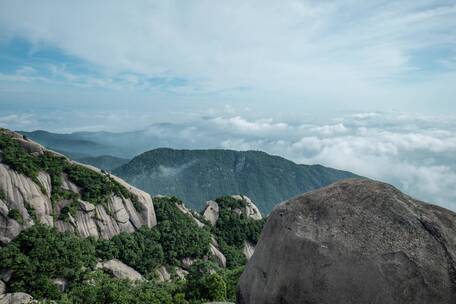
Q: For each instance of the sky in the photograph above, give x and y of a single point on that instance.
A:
(367, 86)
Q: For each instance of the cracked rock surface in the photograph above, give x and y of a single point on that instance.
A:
(355, 241)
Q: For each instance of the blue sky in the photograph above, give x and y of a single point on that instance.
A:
(281, 58)
(366, 86)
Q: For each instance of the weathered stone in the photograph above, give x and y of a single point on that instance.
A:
(60, 283)
(248, 250)
(121, 271)
(356, 241)
(211, 212)
(16, 298)
(251, 210)
(221, 260)
(189, 213)
(181, 273)
(187, 263)
(2, 288)
(86, 206)
(23, 193)
(162, 274)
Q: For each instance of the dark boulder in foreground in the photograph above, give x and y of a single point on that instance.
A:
(355, 241)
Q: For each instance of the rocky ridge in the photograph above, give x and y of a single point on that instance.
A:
(26, 200)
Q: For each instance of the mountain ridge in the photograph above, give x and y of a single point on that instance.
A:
(198, 175)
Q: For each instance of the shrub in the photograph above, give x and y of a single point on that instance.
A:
(41, 253)
(180, 236)
(15, 215)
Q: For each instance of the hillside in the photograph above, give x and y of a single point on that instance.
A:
(76, 234)
(104, 162)
(200, 175)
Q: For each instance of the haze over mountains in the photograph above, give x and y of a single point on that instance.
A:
(197, 176)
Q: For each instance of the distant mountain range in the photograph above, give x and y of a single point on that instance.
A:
(127, 144)
(197, 176)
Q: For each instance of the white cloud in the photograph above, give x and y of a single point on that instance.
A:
(319, 52)
(240, 124)
(330, 129)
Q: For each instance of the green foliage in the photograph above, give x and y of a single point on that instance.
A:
(69, 209)
(203, 283)
(98, 287)
(15, 215)
(15, 156)
(231, 278)
(233, 230)
(180, 235)
(95, 187)
(140, 250)
(206, 174)
(31, 211)
(2, 195)
(41, 253)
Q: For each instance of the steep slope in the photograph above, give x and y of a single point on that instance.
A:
(42, 186)
(200, 175)
(104, 162)
(356, 241)
(177, 261)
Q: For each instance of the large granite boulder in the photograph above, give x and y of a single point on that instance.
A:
(356, 241)
(120, 270)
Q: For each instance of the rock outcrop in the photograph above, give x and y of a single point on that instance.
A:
(356, 241)
(120, 270)
(30, 199)
(211, 212)
(162, 274)
(15, 298)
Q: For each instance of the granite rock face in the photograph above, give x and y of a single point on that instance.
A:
(32, 200)
(120, 270)
(355, 241)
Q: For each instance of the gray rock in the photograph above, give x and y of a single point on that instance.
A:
(189, 213)
(251, 209)
(23, 194)
(356, 241)
(2, 288)
(60, 283)
(86, 206)
(211, 212)
(16, 298)
(187, 262)
(220, 258)
(120, 270)
(248, 250)
(181, 273)
(162, 274)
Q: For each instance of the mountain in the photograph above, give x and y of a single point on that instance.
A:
(104, 162)
(356, 241)
(72, 144)
(200, 175)
(71, 233)
(125, 144)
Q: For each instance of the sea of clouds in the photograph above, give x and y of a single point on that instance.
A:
(414, 152)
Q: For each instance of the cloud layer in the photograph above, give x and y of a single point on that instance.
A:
(344, 54)
(411, 151)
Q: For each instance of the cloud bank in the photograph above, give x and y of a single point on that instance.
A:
(293, 54)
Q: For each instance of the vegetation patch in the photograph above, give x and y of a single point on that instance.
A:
(16, 215)
(180, 236)
(233, 230)
(96, 187)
